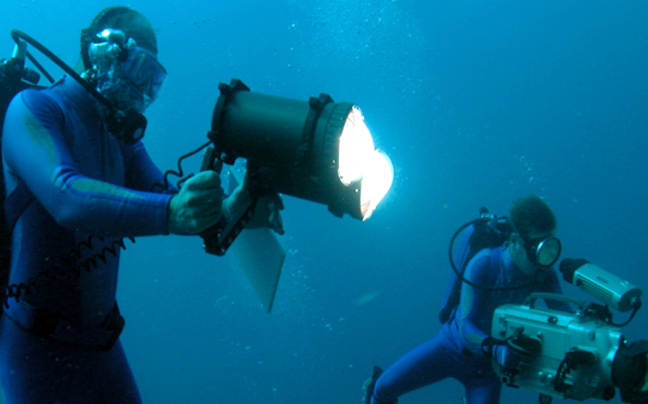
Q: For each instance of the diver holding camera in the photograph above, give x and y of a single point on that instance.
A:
(496, 262)
(492, 335)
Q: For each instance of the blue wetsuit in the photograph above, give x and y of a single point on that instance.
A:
(456, 351)
(85, 182)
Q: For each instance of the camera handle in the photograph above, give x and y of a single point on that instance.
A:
(530, 301)
(585, 309)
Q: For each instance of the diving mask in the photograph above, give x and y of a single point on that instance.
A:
(120, 59)
(144, 71)
(543, 251)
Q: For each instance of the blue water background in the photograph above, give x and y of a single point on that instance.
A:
(476, 102)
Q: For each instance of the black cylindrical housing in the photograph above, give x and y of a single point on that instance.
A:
(292, 146)
(263, 127)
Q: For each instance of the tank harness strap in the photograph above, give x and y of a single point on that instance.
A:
(49, 325)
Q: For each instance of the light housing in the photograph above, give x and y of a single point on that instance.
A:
(317, 150)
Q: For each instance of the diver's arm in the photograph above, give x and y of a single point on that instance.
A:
(142, 173)
(474, 302)
(35, 152)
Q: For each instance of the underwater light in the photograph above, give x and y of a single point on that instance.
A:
(317, 150)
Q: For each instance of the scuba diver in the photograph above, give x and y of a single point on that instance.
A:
(78, 180)
(494, 276)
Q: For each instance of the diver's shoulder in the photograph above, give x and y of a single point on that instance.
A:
(479, 266)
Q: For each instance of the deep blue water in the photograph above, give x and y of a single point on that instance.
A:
(477, 103)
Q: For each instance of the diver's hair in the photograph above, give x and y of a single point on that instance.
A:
(532, 214)
(131, 22)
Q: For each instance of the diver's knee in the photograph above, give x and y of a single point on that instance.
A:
(377, 401)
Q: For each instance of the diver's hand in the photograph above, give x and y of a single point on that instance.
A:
(197, 206)
(267, 211)
(507, 357)
(268, 214)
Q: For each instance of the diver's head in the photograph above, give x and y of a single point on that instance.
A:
(121, 47)
(533, 244)
(133, 24)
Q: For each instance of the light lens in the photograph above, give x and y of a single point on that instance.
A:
(376, 182)
(360, 161)
(356, 148)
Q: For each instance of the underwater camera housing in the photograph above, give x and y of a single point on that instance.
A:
(577, 355)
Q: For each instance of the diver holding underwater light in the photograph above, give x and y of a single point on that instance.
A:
(88, 183)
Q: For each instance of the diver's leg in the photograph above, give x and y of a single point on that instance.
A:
(113, 379)
(35, 370)
(426, 364)
(482, 386)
